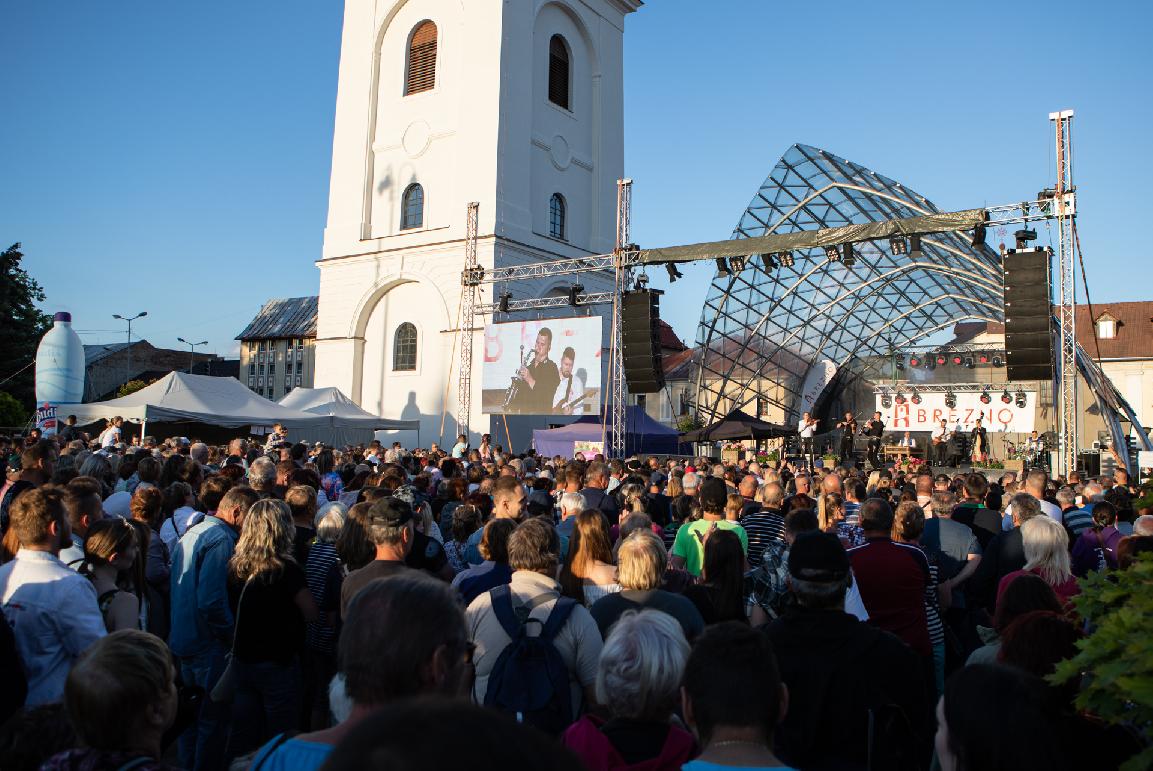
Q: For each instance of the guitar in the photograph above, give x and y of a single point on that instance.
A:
(566, 408)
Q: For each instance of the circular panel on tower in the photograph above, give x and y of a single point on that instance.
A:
(560, 153)
(417, 138)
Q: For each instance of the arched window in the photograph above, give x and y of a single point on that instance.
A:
(412, 207)
(420, 70)
(559, 87)
(404, 348)
(556, 216)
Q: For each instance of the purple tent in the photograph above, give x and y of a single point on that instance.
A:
(643, 435)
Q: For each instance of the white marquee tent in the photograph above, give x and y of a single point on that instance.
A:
(349, 424)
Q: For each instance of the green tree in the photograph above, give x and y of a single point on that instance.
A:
(131, 387)
(12, 414)
(24, 325)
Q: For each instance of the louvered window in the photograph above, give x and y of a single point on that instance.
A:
(421, 72)
(558, 72)
(556, 216)
(404, 348)
(412, 207)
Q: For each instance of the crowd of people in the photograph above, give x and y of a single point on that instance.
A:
(278, 605)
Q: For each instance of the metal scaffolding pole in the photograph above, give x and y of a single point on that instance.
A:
(470, 289)
(1065, 207)
(621, 278)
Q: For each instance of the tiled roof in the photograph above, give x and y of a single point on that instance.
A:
(286, 317)
(1134, 330)
(677, 365)
(669, 339)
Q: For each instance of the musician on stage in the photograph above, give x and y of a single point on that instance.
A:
(806, 428)
(941, 441)
(540, 378)
(979, 443)
(569, 397)
(875, 429)
(848, 428)
(1035, 450)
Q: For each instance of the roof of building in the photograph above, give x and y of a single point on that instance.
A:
(94, 353)
(285, 317)
(678, 365)
(669, 339)
(1133, 334)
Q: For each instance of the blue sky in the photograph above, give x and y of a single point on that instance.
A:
(174, 158)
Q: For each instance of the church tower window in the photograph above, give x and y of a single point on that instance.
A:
(559, 86)
(556, 216)
(420, 73)
(412, 207)
(404, 348)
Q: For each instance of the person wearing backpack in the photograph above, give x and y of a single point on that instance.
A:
(536, 651)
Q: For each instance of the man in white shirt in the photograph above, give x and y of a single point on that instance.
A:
(111, 434)
(806, 428)
(569, 397)
(52, 610)
(1035, 486)
(907, 441)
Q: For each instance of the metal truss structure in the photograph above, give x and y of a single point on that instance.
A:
(469, 293)
(765, 326)
(1066, 308)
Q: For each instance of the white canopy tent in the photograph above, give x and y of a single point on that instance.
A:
(182, 398)
(348, 423)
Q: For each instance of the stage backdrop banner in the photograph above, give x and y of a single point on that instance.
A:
(565, 381)
(995, 416)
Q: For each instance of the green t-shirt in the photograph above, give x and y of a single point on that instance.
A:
(690, 541)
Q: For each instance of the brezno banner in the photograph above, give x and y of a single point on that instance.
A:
(996, 416)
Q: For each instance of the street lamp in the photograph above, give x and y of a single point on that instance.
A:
(128, 369)
(191, 351)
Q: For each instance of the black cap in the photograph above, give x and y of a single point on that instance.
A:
(817, 556)
(391, 512)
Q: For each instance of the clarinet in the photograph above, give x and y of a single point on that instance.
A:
(514, 389)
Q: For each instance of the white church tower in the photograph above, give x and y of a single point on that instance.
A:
(517, 104)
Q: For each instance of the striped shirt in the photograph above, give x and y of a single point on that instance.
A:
(322, 574)
(762, 527)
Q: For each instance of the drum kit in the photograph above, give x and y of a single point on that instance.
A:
(1034, 452)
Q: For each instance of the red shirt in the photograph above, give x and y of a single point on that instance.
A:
(1066, 591)
(892, 578)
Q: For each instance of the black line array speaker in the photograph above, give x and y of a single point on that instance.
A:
(641, 340)
(1028, 315)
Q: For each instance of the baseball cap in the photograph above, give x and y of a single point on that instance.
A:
(818, 556)
(391, 511)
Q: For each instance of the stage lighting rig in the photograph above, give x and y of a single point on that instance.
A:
(941, 359)
(978, 236)
(737, 264)
(969, 362)
(850, 256)
(722, 267)
(886, 400)
(951, 400)
(899, 362)
(915, 360)
(900, 398)
(998, 360)
(1022, 400)
(770, 262)
(786, 259)
(985, 397)
(832, 253)
(1024, 236)
(505, 298)
(957, 359)
(915, 247)
(573, 292)
(898, 245)
(674, 271)
(915, 398)
(1006, 397)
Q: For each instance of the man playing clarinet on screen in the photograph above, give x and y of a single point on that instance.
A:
(541, 376)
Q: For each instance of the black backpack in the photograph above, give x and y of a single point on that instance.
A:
(530, 680)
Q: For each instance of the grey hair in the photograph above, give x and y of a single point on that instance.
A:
(1092, 492)
(943, 502)
(329, 521)
(1025, 507)
(1066, 496)
(821, 595)
(198, 452)
(262, 473)
(1143, 525)
(641, 666)
(1046, 546)
(574, 502)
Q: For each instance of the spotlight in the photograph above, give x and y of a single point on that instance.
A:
(900, 363)
(898, 245)
(786, 259)
(832, 254)
(900, 398)
(978, 236)
(998, 361)
(951, 400)
(737, 264)
(930, 362)
(505, 297)
(770, 261)
(957, 360)
(915, 361)
(941, 359)
(850, 256)
(722, 267)
(969, 362)
(915, 247)
(573, 291)
(1006, 397)
(1022, 400)
(642, 282)
(915, 398)
(1024, 236)
(886, 400)
(674, 272)
(985, 397)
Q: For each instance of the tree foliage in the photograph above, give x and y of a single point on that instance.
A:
(1116, 660)
(24, 325)
(12, 413)
(132, 386)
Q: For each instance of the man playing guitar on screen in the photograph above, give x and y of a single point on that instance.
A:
(570, 395)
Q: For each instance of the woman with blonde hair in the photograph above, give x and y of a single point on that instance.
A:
(1046, 546)
(831, 516)
(111, 552)
(270, 604)
(588, 573)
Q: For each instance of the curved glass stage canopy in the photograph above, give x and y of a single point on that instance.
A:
(767, 329)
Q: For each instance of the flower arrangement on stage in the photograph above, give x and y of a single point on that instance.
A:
(910, 464)
(768, 457)
(989, 464)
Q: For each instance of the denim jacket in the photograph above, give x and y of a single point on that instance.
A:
(201, 618)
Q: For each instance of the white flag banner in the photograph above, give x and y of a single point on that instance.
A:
(996, 416)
